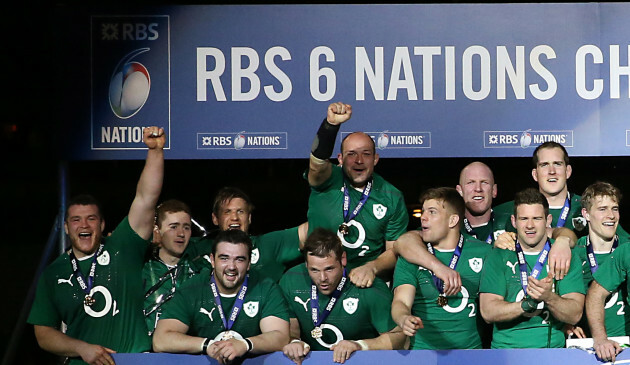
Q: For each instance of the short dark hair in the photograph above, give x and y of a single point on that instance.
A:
(530, 196)
(323, 243)
(550, 144)
(83, 199)
(170, 206)
(448, 196)
(599, 188)
(346, 137)
(225, 195)
(233, 236)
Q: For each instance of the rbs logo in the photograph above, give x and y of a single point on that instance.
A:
(139, 32)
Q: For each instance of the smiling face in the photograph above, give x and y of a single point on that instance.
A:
(358, 158)
(531, 225)
(551, 172)
(602, 217)
(230, 263)
(233, 214)
(477, 187)
(175, 231)
(84, 226)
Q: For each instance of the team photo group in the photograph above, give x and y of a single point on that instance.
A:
(549, 265)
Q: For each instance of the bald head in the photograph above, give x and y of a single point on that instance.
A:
(476, 168)
(477, 187)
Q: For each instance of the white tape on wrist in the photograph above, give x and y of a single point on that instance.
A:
(363, 345)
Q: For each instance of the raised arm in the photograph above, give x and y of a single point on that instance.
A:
(320, 167)
(57, 342)
(142, 211)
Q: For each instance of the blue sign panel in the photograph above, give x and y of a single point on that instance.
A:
(430, 80)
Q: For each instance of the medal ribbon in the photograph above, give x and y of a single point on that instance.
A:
(439, 284)
(562, 220)
(365, 194)
(471, 231)
(522, 264)
(317, 319)
(236, 308)
(86, 287)
(592, 260)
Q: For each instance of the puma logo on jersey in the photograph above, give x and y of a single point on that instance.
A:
(512, 266)
(297, 299)
(209, 314)
(67, 281)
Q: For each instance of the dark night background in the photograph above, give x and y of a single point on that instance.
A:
(44, 83)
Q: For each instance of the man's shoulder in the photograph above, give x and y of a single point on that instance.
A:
(296, 278)
(504, 208)
(385, 186)
(576, 198)
(473, 244)
(58, 267)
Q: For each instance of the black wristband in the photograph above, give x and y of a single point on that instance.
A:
(324, 141)
(204, 348)
(529, 305)
(250, 345)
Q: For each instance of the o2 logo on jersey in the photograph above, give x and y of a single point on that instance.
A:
(129, 86)
(98, 310)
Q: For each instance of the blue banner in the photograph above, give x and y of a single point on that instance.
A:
(474, 80)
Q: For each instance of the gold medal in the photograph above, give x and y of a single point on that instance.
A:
(316, 333)
(89, 301)
(442, 301)
(344, 229)
(227, 335)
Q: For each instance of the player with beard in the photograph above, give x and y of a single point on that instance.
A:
(95, 287)
(368, 213)
(225, 313)
(517, 294)
(328, 312)
(273, 253)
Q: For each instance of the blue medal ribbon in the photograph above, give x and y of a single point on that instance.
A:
(86, 287)
(562, 220)
(365, 194)
(592, 260)
(471, 231)
(236, 308)
(315, 316)
(439, 284)
(522, 264)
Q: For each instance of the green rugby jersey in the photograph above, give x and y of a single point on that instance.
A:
(194, 305)
(359, 313)
(454, 326)
(501, 276)
(612, 275)
(383, 217)
(617, 318)
(115, 320)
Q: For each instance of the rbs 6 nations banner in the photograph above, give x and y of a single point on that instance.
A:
(475, 80)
